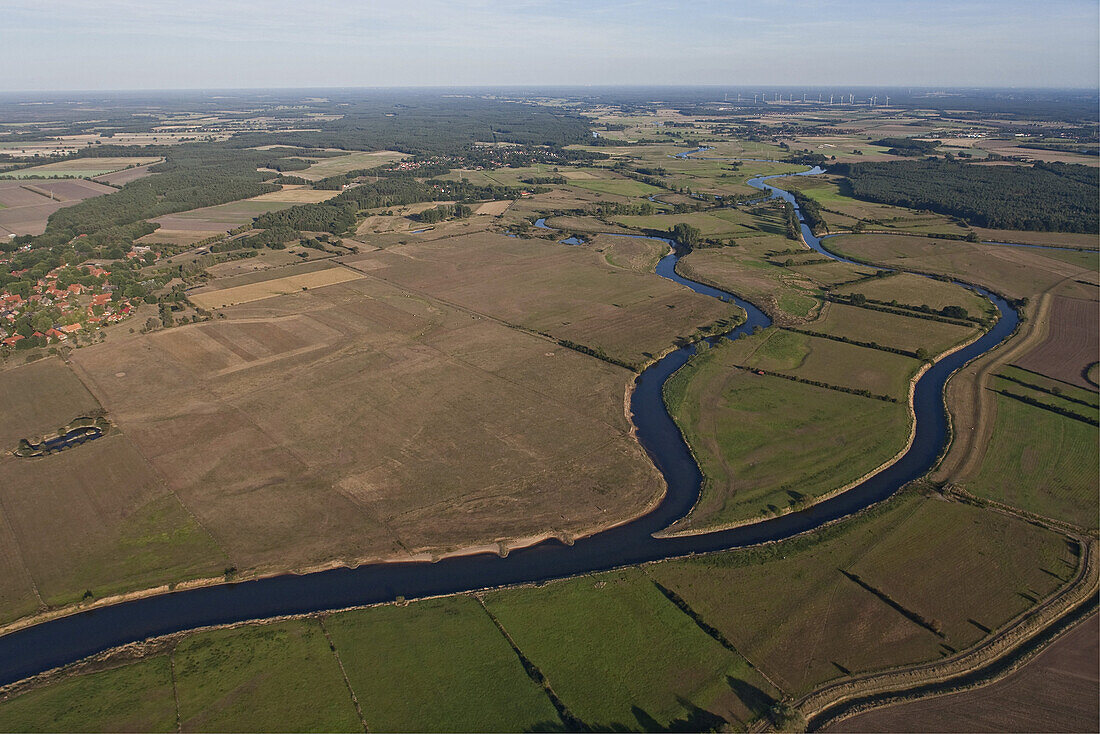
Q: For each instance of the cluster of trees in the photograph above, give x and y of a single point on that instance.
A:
(275, 237)
(444, 211)
(908, 147)
(337, 215)
(811, 210)
(685, 235)
(545, 180)
(432, 125)
(1056, 197)
(948, 314)
(790, 219)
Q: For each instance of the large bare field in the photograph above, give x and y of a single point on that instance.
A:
(92, 518)
(222, 297)
(26, 205)
(568, 292)
(351, 162)
(222, 217)
(1072, 342)
(1014, 271)
(1054, 692)
(361, 420)
(125, 176)
(80, 167)
(296, 195)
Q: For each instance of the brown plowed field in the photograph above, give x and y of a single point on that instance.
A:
(1057, 691)
(1072, 344)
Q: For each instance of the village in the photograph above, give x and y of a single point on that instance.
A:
(63, 304)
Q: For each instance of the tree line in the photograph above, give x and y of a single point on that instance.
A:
(1056, 197)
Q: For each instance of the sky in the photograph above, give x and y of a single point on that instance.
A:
(67, 45)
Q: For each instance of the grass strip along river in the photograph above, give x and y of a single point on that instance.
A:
(49, 644)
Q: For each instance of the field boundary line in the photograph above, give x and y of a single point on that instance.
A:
(571, 720)
(344, 673)
(1011, 637)
(76, 370)
(175, 689)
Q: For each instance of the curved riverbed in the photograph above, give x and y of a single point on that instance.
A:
(70, 638)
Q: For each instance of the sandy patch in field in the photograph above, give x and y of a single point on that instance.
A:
(178, 236)
(494, 208)
(578, 175)
(275, 287)
(297, 195)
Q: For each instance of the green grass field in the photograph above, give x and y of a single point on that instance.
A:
(1041, 462)
(437, 665)
(135, 697)
(619, 187)
(621, 655)
(891, 330)
(803, 622)
(831, 362)
(916, 290)
(766, 444)
(270, 677)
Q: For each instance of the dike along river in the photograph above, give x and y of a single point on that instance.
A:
(66, 639)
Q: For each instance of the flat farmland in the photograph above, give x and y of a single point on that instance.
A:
(766, 444)
(296, 195)
(1056, 691)
(334, 425)
(91, 518)
(80, 167)
(183, 237)
(26, 205)
(1014, 271)
(222, 297)
(222, 217)
(832, 362)
(336, 165)
(232, 678)
(135, 697)
(909, 289)
(622, 656)
(125, 176)
(946, 561)
(1040, 462)
(568, 292)
(1072, 342)
(1054, 239)
(392, 658)
(892, 330)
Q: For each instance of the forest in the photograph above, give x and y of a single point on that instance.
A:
(1054, 197)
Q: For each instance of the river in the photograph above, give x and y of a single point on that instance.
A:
(66, 639)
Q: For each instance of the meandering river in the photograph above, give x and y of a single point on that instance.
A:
(66, 639)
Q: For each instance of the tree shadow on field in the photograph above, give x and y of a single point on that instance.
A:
(695, 719)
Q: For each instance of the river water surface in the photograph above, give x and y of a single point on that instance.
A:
(70, 638)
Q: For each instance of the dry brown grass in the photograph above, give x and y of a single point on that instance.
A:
(223, 297)
(1072, 342)
(297, 195)
(565, 291)
(94, 517)
(363, 421)
(1054, 692)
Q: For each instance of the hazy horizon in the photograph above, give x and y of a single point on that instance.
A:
(126, 45)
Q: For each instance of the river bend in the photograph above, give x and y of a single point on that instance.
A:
(56, 642)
